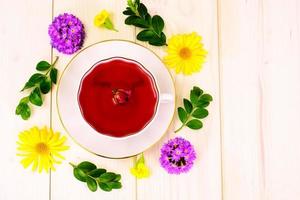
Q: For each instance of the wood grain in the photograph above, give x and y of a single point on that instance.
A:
(259, 41)
(240, 62)
(24, 42)
(248, 148)
(203, 182)
(85, 11)
(280, 80)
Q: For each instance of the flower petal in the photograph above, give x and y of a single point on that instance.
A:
(42, 160)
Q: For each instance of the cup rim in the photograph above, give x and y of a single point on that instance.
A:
(156, 88)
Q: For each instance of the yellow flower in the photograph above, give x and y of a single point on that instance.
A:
(103, 20)
(41, 148)
(185, 53)
(140, 170)
(100, 18)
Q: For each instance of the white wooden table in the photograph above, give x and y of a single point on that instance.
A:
(249, 146)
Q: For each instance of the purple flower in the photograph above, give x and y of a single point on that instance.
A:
(66, 33)
(177, 156)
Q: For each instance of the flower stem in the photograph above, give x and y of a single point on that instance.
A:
(52, 65)
(180, 128)
(72, 164)
(183, 124)
(56, 59)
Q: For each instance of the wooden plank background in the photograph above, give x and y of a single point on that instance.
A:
(248, 148)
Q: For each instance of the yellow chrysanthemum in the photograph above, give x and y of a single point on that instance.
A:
(185, 53)
(140, 170)
(100, 18)
(41, 148)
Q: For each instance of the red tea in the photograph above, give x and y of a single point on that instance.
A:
(118, 97)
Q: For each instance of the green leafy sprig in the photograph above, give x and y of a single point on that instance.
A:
(40, 83)
(153, 26)
(89, 173)
(194, 109)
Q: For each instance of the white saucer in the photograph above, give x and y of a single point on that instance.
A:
(82, 132)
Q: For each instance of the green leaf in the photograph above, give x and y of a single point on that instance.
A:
(182, 114)
(142, 10)
(115, 185)
(128, 12)
(43, 66)
(158, 41)
(28, 85)
(158, 24)
(88, 172)
(26, 112)
(96, 172)
(23, 110)
(201, 103)
(117, 178)
(87, 166)
(24, 100)
(104, 187)
(35, 97)
(194, 109)
(197, 91)
(148, 19)
(136, 21)
(106, 177)
(145, 35)
(194, 97)
(163, 38)
(79, 174)
(195, 94)
(36, 78)
(132, 5)
(187, 105)
(200, 113)
(206, 98)
(141, 23)
(33, 80)
(53, 75)
(194, 124)
(138, 16)
(92, 184)
(129, 20)
(19, 108)
(45, 85)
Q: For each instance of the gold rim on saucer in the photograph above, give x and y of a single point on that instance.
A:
(59, 115)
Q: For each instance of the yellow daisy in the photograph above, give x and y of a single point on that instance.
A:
(185, 53)
(41, 148)
(140, 170)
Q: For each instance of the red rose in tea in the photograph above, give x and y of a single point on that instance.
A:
(118, 97)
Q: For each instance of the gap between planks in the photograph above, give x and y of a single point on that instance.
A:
(219, 42)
